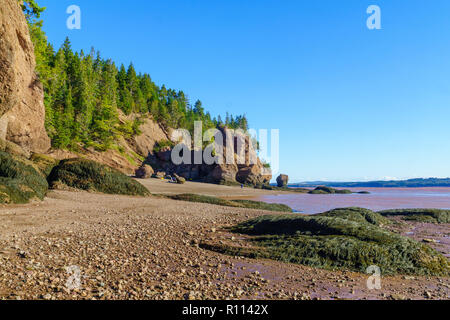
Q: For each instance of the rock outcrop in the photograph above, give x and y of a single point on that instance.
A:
(22, 111)
(179, 180)
(245, 166)
(150, 133)
(144, 172)
(282, 180)
(134, 149)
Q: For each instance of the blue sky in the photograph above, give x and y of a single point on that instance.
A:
(351, 103)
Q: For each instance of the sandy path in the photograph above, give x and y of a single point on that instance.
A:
(147, 248)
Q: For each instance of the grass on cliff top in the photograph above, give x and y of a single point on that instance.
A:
(92, 176)
(231, 203)
(335, 241)
(20, 182)
(422, 215)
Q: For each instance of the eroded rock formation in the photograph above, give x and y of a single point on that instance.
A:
(22, 111)
(245, 167)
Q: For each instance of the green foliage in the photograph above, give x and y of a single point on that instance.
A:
(328, 190)
(160, 145)
(423, 215)
(91, 176)
(203, 199)
(336, 241)
(266, 165)
(31, 10)
(19, 180)
(130, 128)
(84, 93)
(231, 203)
(44, 163)
(264, 205)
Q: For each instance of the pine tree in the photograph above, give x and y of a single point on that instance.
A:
(83, 95)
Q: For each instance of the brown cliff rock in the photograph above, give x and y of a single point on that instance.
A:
(144, 172)
(245, 168)
(22, 112)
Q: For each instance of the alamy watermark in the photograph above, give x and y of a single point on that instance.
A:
(374, 20)
(74, 280)
(374, 281)
(74, 20)
(227, 146)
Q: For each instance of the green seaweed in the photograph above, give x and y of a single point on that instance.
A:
(231, 203)
(20, 182)
(346, 239)
(92, 176)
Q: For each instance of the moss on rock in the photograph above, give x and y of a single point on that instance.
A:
(231, 203)
(92, 176)
(422, 215)
(44, 163)
(20, 182)
(328, 190)
(336, 240)
(357, 214)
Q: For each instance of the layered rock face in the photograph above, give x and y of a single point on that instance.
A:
(22, 111)
(240, 163)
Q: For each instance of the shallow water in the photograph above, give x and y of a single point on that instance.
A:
(378, 199)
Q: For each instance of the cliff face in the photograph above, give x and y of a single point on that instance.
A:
(22, 111)
(246, 167)
(134, 149)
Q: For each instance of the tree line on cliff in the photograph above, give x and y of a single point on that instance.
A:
(84, 93)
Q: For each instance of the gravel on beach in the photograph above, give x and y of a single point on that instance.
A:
(80, 245)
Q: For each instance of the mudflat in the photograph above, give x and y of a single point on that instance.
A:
(147, 248)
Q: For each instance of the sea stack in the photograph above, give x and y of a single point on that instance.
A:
(282, 180)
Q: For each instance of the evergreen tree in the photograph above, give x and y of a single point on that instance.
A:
(83, 95)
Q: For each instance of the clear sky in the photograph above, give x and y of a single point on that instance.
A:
(351, 103)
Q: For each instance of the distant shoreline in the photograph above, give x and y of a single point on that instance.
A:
(411, 183)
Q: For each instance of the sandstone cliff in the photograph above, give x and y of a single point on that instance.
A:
(22, 112)
(130, 152)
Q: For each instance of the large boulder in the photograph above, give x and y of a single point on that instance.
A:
(180, 180)
(22, 111)
(159, 174)
(89, 175)
(20, 180)
(252, 175)
(282, 180)
(223, 173)
(144, 172)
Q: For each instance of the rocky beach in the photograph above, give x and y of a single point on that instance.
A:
(148, 248)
